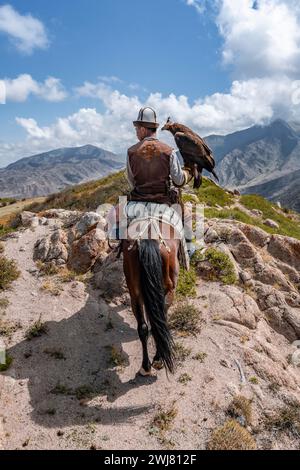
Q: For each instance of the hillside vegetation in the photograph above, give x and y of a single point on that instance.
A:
(219, 203)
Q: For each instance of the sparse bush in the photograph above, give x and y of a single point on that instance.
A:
(52, 288)
(223, 268)
(36, 330)
(241, 407)
(47, 269)
(185, 319)
(116, 357)
(200, 356)
(8, 272)
(85, 391)
(231, 436)
(8, 328)
(186, 286)
(181, 352)
(285, 419)
(4, 303)
(163, 420)
(8, 363)
(184, 379)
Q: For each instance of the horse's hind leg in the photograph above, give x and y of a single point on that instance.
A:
(170, 273)
(143, 332)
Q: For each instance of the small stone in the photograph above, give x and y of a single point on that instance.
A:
(22, 249)
(224, 363)
(245, 277)
(271, 223)
(32, 270)
(60, 433)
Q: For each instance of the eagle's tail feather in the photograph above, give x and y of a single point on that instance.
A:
(215, 175)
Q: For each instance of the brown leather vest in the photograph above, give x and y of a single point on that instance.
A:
(150, 165)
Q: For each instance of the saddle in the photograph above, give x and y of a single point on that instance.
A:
(141, 219)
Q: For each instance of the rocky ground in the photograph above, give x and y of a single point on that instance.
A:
(72, 339)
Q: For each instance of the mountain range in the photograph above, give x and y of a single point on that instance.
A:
(53, 171)
(261, 159)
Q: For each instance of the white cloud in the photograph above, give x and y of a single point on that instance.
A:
(249, 102)
(260, 38)
(26, 32)
(199, 5)
(20, 88)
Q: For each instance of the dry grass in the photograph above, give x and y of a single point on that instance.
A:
(285, 419)
(8, 272)
(8, 328)
(36, 330)
(47, 269)
(181, 352)
(8, 363)
(185, 319)
(200, 356)
(116, 357)
(241, 407)
(231, 436)
(163, 420)
(52, 288)
(4, 303)
(184, 379)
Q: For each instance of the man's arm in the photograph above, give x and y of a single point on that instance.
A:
(180, 176)
(129, 174)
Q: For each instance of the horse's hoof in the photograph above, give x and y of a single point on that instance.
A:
(158, 365)
(144, 373)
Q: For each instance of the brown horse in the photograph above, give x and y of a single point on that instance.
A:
(151, 269)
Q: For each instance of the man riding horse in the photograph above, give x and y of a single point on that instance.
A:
(151, 266)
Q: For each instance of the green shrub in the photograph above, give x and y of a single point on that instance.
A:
(185, 319)
(186, 286)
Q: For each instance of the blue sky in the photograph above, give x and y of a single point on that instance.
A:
(209, 64)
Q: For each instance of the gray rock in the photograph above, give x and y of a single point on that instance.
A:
(271, 223)
(26, 218)
(87, 222)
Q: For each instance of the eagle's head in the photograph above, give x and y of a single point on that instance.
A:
(168, 125)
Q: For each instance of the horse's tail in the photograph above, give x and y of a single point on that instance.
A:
(154, 300)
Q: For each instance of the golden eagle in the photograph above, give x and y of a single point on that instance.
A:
(195, 152)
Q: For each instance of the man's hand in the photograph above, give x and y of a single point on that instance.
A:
(188, 173)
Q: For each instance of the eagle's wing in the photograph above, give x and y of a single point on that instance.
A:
(186, 144)
(209, 151)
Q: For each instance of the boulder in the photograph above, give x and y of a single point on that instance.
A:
(286, 249)
(232, 305)
(29, 219)
(109, 278)
(271, 223)
(255, 235)
(87, 222)
(52, 248)
(85, 251)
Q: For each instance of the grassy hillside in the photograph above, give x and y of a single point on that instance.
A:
(218, 203)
